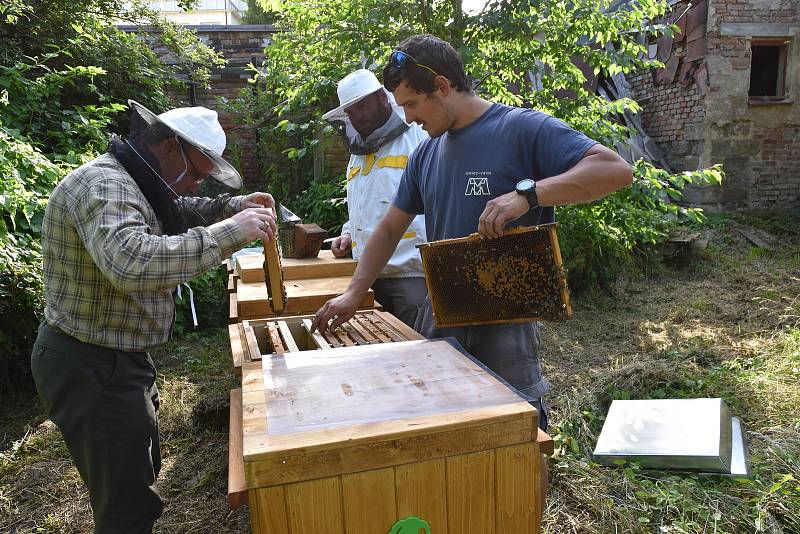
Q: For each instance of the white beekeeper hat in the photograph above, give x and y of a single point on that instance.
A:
(199, 127)
(351, 89)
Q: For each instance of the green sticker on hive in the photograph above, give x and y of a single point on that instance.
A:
(410, 525)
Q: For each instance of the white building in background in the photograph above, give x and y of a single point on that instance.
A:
(222, 12)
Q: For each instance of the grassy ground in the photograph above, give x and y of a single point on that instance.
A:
(725, 324)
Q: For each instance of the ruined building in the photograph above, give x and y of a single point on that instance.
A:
(729, 94)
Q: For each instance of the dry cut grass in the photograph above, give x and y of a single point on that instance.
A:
(726, 324)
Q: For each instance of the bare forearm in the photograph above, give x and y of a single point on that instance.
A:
(598, 174)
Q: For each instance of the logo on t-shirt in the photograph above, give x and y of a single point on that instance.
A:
(477, 183)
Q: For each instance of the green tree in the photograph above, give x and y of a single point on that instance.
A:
(66, 71)
(256, 14)
(525, 52)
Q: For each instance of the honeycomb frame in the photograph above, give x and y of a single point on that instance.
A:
(518, 277)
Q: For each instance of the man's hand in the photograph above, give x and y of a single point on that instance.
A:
(341, 245)
(258, 200)
(501, 211)
(257, 223)
(339, 310)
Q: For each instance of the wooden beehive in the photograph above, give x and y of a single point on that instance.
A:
(353, 439)
(250, 267)
(302, 297)
(292, 334)
(518, 277)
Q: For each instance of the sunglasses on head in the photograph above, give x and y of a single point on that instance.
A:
(400, 60)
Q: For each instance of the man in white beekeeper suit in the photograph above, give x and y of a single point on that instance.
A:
(380, 142)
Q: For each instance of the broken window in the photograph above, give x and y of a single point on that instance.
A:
(768, 70)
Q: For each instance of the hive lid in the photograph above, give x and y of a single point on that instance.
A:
(681, 434)
(517, 277)
(327, 412)
(318, 390)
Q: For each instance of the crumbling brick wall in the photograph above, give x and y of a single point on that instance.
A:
(712, 120)
(672, 114)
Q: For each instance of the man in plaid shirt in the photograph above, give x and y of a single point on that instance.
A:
(116, 240)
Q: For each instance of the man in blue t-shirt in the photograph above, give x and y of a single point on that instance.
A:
(487, 167)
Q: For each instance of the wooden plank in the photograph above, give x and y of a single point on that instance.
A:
(233, 309)
(332, 339)
(302, 296)
(252, 341)
(237, 486)
(364, 329)
(253, 413)
(341, 333)
(546, 444)
(354, 334)
(268, 510)
(315, 507)
(275, 340)
(399, 326)
(369, 501)
(231, 283)
(288, 339)
(274, 275)
(376, 331)
(388, 449)
(398, 382)
(237, 350)
(385, 329)
(516, 469)
(565, 302)
(318, 338)
(245, 348)
(471, 494)
(421, 491)
(250, 268)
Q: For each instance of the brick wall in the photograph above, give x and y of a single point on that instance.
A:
(239, 45)
(757, 144)
(698, 125)
(672, 114)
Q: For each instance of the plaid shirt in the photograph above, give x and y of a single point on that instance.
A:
(108, 271)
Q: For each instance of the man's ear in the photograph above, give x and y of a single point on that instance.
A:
(442, 84)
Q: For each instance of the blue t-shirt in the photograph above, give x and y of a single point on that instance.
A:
(452, 177)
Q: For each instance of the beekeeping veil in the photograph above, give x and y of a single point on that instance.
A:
(351, 89)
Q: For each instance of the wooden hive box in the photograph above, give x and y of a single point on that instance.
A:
(250, 267)
(252, 339)
(353, 439)
(302, 296)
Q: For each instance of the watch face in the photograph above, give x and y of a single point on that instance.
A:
(526, 184)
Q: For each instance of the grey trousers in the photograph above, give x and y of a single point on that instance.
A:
(105, 403)
(402, 297)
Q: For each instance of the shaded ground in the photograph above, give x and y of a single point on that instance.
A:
(724, 323)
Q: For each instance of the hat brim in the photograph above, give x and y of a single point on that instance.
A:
(339, 114)
(223, 172)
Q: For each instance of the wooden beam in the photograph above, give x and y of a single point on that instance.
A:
(315, 336)
(274, 276)
(237, 485)
(233, 309)
(546, 444)
(288, 339)
(237, 350)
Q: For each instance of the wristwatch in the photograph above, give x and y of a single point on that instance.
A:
(527, 188)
